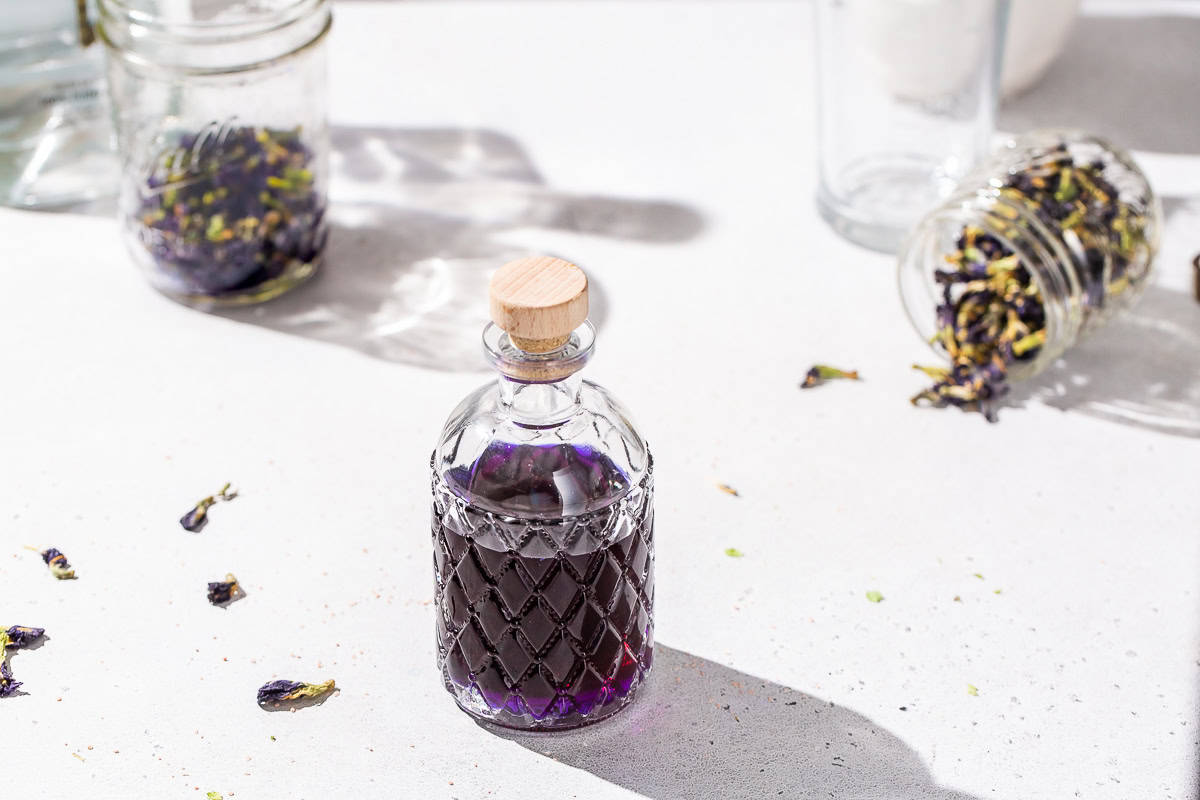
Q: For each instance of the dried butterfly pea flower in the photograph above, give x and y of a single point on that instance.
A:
(59, 566)
(7, 684)
(197, 518)
(234, 211)
(224, 592)
(14, 638)
(292, 690)
(19, 636)
(820, 373)
(991, 315)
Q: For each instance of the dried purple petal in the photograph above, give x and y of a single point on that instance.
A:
(820, 373)
(197, 518)
(59, 566)
(7, 684)
(19, 636)
(14, 638)
(292, 690)
(224, 592)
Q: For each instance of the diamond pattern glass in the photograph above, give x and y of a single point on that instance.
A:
(544, 624)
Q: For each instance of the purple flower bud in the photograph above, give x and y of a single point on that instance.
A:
(224, 592)
(7, 684)
(20, 636)
(282, 691)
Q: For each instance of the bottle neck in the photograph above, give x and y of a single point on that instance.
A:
(540, 404)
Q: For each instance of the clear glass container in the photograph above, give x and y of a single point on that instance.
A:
(1077, 215)
(906, 100)
(220, 110)
(56, 142)
(543, 534)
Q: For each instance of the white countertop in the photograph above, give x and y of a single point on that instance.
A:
(664, 147)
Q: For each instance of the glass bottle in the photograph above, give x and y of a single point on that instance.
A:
(543, 521)
(1070, 212)
(906, 101)
(220, 110)
(56, 143)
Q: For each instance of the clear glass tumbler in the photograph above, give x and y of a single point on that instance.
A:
(906, 93)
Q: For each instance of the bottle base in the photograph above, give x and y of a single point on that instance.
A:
(471, 701)
(882, 197)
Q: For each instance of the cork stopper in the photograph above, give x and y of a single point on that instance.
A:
(539, 301)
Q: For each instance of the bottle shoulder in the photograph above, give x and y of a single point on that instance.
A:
(589, 459)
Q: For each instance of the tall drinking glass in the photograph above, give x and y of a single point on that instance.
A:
(907, 98)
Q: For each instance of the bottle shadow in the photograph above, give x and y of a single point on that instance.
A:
(701, 730)
(417, 221)
(1088, 88)
(1141, 369)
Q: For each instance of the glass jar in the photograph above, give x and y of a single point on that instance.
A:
(1040, 245)
(56, 143)
(543, 534)
(906, 99)
(221, 123)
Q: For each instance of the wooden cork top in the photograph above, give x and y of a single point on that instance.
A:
(539, 301)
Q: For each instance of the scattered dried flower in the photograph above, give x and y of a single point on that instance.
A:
(197, 518)
(874, 596)
(59, 566)
(972, 690)
(820, 373)
(733, 552)
(19, 636)
(14, 638)
(224, 592)
(291, 690)
(7, 684)
(727, 489)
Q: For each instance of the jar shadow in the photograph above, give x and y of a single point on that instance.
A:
(701, 729)
(1088, 88)
(417, 225)
(1141, 369)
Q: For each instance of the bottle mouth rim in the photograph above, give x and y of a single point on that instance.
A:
(519, 365)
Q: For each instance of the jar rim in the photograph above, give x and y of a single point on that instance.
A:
(148, 42)
(246, 24)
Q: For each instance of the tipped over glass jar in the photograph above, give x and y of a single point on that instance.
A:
(221, 125)
(1035, 249)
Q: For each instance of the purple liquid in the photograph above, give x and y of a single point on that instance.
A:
(543, 621)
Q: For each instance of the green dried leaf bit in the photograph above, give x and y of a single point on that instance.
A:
(820, 373)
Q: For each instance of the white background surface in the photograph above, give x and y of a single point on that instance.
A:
(668, 149)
